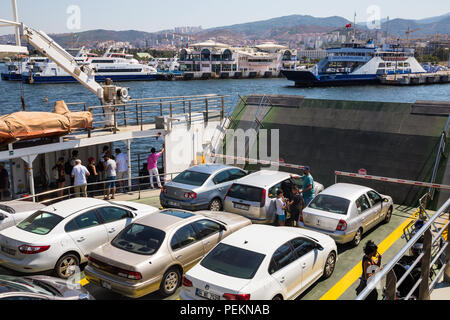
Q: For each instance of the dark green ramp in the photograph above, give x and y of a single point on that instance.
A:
(386, 139)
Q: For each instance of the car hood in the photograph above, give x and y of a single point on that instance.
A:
(68, 289)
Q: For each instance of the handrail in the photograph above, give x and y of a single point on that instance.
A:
(139, 185)
(379, 276)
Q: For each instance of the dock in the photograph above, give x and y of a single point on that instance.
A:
(416, 79)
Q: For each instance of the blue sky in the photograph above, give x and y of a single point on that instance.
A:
(154, 15)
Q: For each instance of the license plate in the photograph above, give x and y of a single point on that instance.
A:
(105, 285)
(207, 295)
(173, 204)
(242, 206)
(9, 251)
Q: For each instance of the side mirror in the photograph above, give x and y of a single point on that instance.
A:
(223, 228)
(319, 247)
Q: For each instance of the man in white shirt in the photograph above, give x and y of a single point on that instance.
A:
(80, 174)
(122, 169)
(111, 177)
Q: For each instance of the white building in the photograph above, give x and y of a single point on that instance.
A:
(312, 54)
(214, 59)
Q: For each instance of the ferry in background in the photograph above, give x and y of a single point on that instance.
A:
(17, 68)
(356, 64)
(113, 65)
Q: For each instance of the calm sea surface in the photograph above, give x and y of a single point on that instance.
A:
(10, 93)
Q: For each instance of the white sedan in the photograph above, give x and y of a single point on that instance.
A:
(261, 263)
(61, 236)
(14, 212)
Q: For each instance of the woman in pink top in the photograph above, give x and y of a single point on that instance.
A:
(152, 166)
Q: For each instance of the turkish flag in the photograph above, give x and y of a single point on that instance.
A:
(348, 25)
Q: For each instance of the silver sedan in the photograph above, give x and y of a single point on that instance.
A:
(346, 211)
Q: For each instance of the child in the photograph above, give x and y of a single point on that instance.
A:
(281, 206)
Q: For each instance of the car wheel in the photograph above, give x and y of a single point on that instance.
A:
(215, 205)
(388, 216)
(330, 264)
(170, 282)
(358, 237)
(66, 266)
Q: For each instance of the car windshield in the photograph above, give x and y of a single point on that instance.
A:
(192, 178)
(139, 239)
(40, 222)
(233, 262)
(331, 204)
(15, 284)
(243, 192)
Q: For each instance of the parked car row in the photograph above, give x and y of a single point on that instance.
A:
(134, 249)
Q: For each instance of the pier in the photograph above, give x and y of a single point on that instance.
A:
(416, 79)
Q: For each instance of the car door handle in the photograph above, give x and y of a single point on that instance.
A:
(283, 280)
(112, 230)
(304, 266)
(180, 256)
(207, 243)
(81, 239)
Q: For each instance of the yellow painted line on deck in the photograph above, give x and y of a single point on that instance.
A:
(84, 282)
(339, 288)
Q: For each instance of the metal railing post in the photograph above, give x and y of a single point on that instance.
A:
(184, 105)
(89, 129)
(160, 108)
(139, 180)
(125, 115)
(207, 112)
(142, 120)
(137, 114)
(447, 257)
(391, 286)
(223, 108)
(115, 120)
(190, 112)
(171, 113)
(424, 288)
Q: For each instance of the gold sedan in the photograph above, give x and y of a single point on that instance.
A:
(153, 253)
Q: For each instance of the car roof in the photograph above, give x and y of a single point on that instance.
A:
(264, 178)
(346, 191)
(254, 238)
(67, 208)
(209, 168)
(166, 220)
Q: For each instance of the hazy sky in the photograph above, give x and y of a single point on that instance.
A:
(154, 15)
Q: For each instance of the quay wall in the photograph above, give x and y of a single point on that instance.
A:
(386, 139)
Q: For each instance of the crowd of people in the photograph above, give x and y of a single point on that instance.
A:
(111, 169)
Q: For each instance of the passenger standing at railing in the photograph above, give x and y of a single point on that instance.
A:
(111, 177)
(60, 176)
(93, 177)
(152, 167)
(122, 169)
(80, 174)
(4, 183)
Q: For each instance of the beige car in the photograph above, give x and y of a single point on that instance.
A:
(154, 252)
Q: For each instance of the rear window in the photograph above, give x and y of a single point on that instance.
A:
(330, 204)
(40, 222)
(192, 178)
(139, 239)
(233, 262)
(243, 192)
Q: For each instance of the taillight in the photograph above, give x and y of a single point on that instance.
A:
(241, 297)
(263, 198)
(190, 195)
(342, 226)
(164, 190)
(186, 282)
(26, 249)
(129, 275)
(301, 217)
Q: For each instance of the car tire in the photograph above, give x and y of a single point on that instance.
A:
(64, 264)
(388, 216)
(170, 282)
(216, 205)
(358, 237)
(330, 265)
